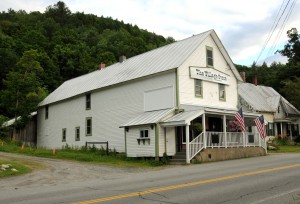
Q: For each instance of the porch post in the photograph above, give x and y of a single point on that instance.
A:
(281, 129)
(187, 139)
(224, 130)
(204, 131)
(291, 132)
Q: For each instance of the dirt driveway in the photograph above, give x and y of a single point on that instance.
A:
(52, 172)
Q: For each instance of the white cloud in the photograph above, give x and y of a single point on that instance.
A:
(241, 25)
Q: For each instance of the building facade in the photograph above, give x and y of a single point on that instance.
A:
(177, 98)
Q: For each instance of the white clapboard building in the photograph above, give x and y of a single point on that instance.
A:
(179, 98)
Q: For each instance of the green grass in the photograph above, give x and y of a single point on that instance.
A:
(21, 169)
(286, 149)
(93, 155)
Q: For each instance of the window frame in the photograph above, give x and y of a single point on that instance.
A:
(222, 99)
(64, 135)
(88, 103)
(200, 86)
(46, 112)
(143, 131)
(88, 127)
(209, 58)
(77, 134)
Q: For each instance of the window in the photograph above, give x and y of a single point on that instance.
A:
(144, 134)
(46, 112)
(64, 134)
(222, 92)
(77, 134)
(88, 101)
(88, 127)
(209, 57)
(198, 88)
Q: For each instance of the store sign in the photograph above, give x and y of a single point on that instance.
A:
(209, 74)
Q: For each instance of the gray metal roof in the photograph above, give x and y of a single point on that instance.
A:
(182, 118)
(150, 117)
(158, 60)
(264, 98)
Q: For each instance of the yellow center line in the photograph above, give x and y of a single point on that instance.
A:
(186, 185)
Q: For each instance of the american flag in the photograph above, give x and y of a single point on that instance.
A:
(240, 120)
(260, 124)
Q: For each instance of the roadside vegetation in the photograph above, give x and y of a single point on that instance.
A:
(10, 168)
(84, 154)
(282, 144)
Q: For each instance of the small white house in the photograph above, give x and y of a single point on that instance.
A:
(282, 117)
(177, 98)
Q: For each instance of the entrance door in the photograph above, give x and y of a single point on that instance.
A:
(180, 138)
(215, 124)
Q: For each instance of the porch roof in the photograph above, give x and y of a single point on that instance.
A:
(149, 117)
(182, 118)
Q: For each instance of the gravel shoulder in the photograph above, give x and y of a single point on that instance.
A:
(51, 172)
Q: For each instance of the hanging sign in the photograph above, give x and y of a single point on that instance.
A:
(209, 74)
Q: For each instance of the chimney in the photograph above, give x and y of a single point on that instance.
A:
(122, 58)
(243, 75)
(101, 66)
(254, 80)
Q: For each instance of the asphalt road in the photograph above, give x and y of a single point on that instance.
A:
(268, 179)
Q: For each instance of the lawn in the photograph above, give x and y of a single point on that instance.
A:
(286, 149)
(91, 154)
(10, 168)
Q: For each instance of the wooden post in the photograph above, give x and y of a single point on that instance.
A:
(187, 136)
(224, 130)
(204, 130)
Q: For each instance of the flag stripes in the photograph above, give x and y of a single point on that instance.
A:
(260, 124)
(240, 120)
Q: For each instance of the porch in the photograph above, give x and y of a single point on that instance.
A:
(214, 131)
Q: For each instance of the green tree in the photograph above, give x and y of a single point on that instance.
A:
(23, 89)
(292, 90)
(292, 48)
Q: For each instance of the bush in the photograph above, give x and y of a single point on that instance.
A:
(281, 140)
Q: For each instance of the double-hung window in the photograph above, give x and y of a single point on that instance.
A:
(88, 101)
(46, 112)
(77, 134)
(144, 133)
(88, 126)
(209, 57)
(64, 135)
(198, 88)
(222, 92)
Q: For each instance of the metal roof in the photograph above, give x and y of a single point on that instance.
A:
(264, 98)
(182, 118)
(150, 117)
(158, 60)
(12, 121)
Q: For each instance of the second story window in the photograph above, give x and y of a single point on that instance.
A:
(46, 112)
(209, 57)
(88, 101)
(198, 88)
(222, 92)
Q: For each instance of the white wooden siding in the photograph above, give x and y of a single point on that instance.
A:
(110, 108)
(210, 90)
(142, 149)
(161, 98)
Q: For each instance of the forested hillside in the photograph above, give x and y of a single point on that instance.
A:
(41, 50)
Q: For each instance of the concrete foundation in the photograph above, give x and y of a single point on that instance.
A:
(220, 154)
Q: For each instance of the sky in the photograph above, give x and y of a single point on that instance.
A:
(243, 26)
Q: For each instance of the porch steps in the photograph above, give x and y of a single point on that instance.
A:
(178, 158)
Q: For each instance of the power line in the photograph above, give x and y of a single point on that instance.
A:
(276, 23)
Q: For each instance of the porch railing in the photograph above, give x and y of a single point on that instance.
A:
(227, 140)
(196, 145)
